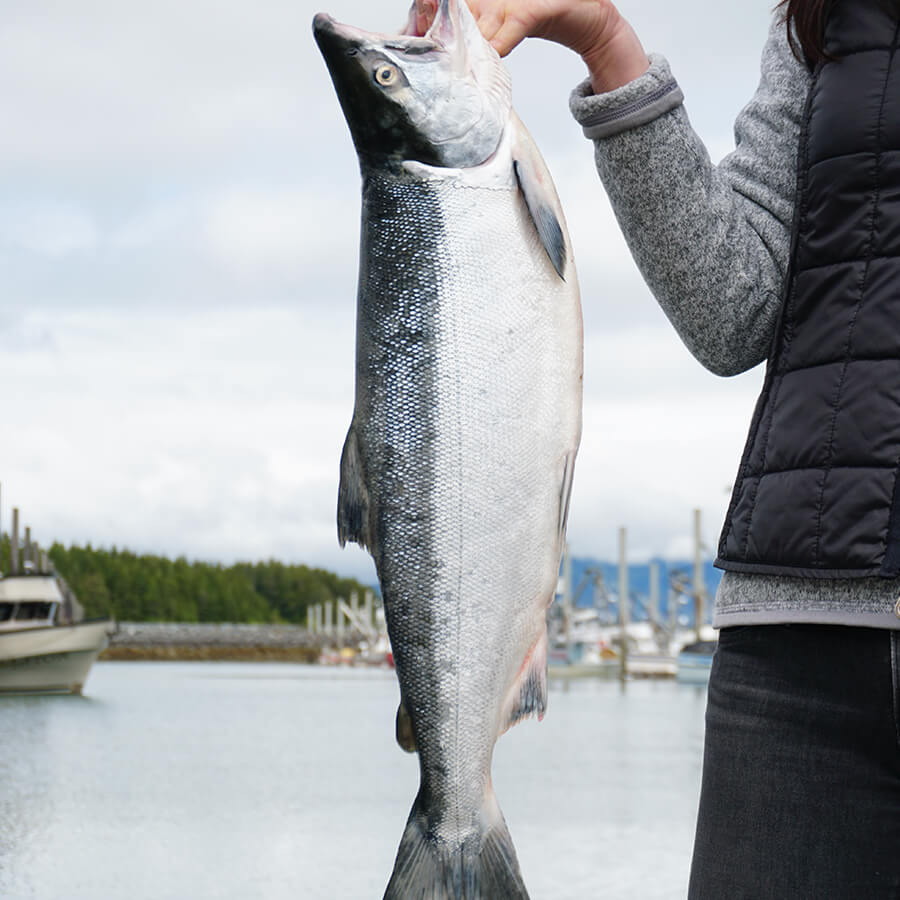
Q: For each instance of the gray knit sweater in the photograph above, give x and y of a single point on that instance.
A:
(712, 243)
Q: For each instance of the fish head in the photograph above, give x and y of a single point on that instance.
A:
(442, 98)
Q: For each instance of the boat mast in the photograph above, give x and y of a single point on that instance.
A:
(567, 601)
(653, 612)
(623, 604)
(699, 580)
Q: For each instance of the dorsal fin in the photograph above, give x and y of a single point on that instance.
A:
(353, 496)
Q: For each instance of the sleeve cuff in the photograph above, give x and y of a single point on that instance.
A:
(640, 101)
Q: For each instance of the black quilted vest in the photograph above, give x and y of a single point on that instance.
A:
(818, 493)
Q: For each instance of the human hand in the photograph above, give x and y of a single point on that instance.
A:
(594, 29)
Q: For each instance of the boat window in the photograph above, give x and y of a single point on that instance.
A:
(6, 611)
(33, 610)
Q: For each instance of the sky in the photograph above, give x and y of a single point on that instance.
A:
(179, 227)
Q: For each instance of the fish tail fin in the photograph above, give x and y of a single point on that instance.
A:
(483, 867)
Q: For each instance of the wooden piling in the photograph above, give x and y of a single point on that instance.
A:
(14, 543)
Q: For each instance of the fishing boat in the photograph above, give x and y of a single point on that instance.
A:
(46, 646)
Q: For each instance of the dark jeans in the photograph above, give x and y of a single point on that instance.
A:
(801, 770)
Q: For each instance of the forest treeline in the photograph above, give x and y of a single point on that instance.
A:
(143, 588)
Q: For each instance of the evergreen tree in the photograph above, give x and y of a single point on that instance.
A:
(142, 588)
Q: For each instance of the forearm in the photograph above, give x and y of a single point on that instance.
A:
(711, 242)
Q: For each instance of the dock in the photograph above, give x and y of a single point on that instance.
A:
(159, 641)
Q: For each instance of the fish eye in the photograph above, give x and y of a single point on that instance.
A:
(386, 75)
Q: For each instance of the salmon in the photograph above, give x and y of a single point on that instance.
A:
(457, 469)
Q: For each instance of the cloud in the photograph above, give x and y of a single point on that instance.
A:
(661, 437)
(178, 253)
(21, 334)
(97, 81)
(230, 245)
(257, 230)
(47, 231)
(214, 435)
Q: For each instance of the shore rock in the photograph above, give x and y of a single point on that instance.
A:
(214, 641)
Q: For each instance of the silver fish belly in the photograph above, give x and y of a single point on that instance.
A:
(456, 475)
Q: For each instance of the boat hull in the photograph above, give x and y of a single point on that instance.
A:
(695, 662)
(51, 660)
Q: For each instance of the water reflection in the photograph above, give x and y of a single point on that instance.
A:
(278, 781)
(32, 778)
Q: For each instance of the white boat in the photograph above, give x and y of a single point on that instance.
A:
(695, 662)
(43, 645)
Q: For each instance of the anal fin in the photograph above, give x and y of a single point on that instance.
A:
(353, 496)
(529, 693)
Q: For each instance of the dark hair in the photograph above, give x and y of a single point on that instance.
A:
(805, 23)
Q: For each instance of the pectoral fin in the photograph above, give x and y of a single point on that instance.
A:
(542, 214)
(540, 197)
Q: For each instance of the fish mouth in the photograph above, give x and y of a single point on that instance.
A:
(326, 26)
(333, 36)
(322, 21)
(379, 123)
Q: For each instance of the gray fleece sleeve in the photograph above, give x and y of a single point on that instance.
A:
(712, 242)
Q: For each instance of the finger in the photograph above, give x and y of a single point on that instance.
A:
(489, 22)
(510, 34)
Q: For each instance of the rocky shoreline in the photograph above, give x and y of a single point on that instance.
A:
(225, 642)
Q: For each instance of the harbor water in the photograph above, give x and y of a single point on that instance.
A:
(227, 781)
